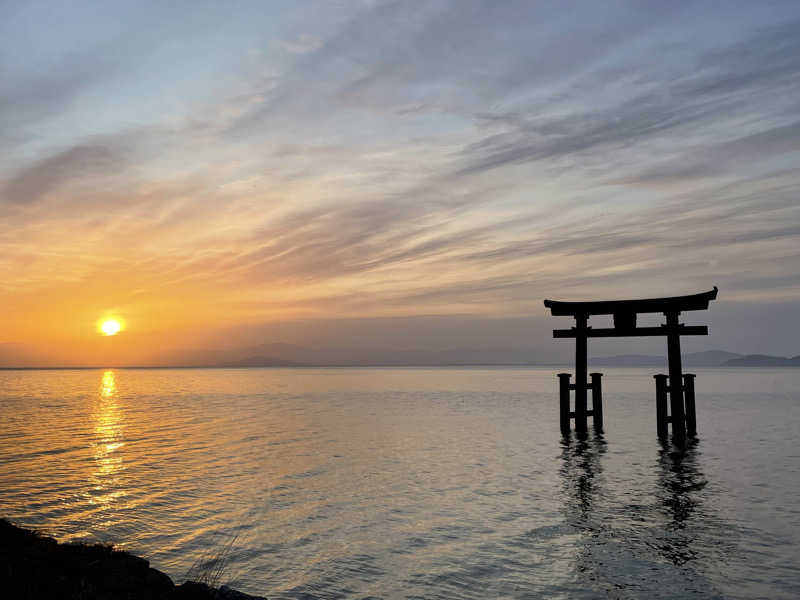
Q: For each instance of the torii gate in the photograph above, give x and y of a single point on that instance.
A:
(680, 388)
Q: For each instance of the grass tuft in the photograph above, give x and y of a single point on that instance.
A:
(212, 564)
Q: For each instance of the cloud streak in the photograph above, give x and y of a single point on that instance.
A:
(34, 182)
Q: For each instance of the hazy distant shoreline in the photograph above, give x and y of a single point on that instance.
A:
(282, 355)
(621, 361)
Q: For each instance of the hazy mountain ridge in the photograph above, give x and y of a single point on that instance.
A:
(270, 355)
(280, 354)
(372, 356)
(707, 358)
(763, 360)
(27, 356)
(260, 361)
(710, 358)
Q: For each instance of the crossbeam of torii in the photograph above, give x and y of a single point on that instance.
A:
(682, 416)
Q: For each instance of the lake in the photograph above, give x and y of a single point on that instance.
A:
(412, 482)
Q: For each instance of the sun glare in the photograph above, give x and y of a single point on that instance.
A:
(110, 327)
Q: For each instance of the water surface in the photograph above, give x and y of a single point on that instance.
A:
(412, 483)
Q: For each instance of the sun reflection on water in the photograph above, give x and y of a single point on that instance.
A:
(109, 385)
(108, 443)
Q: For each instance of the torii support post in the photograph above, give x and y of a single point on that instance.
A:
(688, 397)
(563, 381)
(566, 413)
(661, 405)
(689, 412)
(597, 401)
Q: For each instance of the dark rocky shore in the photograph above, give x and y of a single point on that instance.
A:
(36, 566)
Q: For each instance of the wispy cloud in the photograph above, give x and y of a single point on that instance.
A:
(33, 182)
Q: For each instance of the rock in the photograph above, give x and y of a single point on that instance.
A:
(158, 580)
(226, 593)
(34, 566)
(133, 564)
(192, 590)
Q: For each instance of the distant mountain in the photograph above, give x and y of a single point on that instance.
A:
(708, 358)
(763, 360)
(265, 355)
(279, 354)
(276, 354)
(376, 356)
(290, 355)
(259, 361)
(628, 360)
(26, 356)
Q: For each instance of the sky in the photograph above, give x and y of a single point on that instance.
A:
(406, 174)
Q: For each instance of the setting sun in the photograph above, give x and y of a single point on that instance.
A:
(110, 327)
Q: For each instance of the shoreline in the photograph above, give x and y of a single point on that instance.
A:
(35, 565)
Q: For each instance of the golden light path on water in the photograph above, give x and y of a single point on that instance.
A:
(108, 420)
(407, 482)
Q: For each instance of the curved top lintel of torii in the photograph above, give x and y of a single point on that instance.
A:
(645, 305)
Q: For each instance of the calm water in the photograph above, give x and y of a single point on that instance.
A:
(412, 483)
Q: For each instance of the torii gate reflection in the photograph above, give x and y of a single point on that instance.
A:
(680, 388)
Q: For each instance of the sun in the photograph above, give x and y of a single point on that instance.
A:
(110, 324)
(110, 327)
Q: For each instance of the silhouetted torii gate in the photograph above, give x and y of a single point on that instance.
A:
(682, 416)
